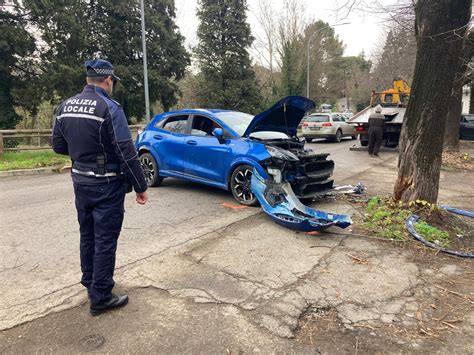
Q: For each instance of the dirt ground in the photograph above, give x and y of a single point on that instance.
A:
(442, 312)
(220, 280)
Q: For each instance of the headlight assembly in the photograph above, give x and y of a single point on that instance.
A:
(281, 154)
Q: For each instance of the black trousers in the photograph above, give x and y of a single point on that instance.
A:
(375, 139)
(100, 210)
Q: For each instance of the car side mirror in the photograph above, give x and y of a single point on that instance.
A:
(219, 134)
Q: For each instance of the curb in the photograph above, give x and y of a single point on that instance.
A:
(33, 172)
(358, 148)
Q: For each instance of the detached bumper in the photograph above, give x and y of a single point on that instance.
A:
(282, 205)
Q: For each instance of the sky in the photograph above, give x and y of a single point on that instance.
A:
(364, 31)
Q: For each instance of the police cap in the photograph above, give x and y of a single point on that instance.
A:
(100, 67)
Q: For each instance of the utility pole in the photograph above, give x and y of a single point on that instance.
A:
(145, 64)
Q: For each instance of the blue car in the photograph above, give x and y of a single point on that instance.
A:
(222, 148)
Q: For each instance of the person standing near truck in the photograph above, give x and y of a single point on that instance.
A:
(376, 125)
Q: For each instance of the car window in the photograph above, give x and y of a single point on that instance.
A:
(175, 124)
(469, 118)
(238, 121)
(203, 126)
(318, 118)
(336, 118)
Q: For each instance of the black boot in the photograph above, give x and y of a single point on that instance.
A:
(111, 303)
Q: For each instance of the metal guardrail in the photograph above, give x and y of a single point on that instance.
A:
(37, 134)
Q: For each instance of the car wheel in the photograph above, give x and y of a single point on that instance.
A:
(240, 185)
(338, 136)
(150, 169)
(309, 140)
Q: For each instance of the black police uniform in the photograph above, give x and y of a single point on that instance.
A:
(376, 126)
(92, 129)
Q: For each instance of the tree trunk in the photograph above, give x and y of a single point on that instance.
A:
(32, 125)
(440, 26)
(471, 99)
(451, 134)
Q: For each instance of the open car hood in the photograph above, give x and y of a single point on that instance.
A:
(284, 116)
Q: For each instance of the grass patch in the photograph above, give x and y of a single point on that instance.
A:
(31, 160)
(432, 234)
(386, 218)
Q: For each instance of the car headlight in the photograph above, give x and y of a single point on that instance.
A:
(281, 154)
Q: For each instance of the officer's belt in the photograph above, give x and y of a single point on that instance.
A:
(90, 169)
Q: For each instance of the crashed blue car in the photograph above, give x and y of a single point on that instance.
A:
(224, 148)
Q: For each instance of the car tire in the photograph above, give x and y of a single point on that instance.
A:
(309, 140)
(240, 185)
(151, 170)
(338, 136)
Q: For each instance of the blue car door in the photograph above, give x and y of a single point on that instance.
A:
(205, 157)
(168, 141)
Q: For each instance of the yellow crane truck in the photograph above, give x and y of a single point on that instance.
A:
(393, 102)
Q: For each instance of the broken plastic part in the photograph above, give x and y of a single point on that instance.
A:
(458, 211)
(280, 203)
(349, 189)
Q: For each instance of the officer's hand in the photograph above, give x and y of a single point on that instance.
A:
(142, 197)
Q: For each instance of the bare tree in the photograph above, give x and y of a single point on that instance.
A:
(439, 42)
(440, 26)
(463, 77)
(279, 46)
(290, 29)
(396, 58)
(265, 46)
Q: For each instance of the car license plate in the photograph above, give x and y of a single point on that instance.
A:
(314, 128)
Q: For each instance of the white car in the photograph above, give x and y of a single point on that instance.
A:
(327, 125)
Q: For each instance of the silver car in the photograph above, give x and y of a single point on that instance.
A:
(327, 125)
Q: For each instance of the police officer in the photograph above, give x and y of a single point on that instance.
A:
(376, 125)
(92, 129)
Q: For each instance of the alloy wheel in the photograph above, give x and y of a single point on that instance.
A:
(148, 169)
(242, 186)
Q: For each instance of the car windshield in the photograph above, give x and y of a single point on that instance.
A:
(238, 121)
(318, 118)
(469, 118)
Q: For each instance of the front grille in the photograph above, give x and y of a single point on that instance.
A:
(313, 189)
(319, 166)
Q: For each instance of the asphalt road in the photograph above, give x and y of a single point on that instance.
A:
(39, 243)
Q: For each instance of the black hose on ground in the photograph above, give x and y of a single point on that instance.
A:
(410, 224)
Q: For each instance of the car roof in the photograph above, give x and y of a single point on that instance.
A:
(188, 111)
(197, 110)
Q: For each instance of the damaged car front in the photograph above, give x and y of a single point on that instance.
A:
(292, 172)
(230, 150)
